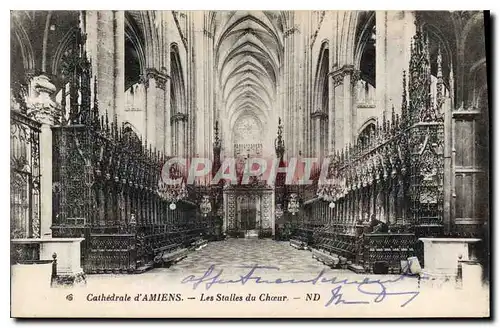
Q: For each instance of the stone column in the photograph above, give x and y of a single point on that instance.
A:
(150, 83)
(316, 118)
(166, 69)
(119, 62)
(179, 121)
(105, 46)
(202, 125)
(289, 69)
(42, 108)
(184, 137)
(394, 31)
(331, 114)
(188, 129)
(156, 85)
(347, 122)
(175, 136)
(381, 79)
(338, 132)
(300, 67)
(167, 140)
(160, 112)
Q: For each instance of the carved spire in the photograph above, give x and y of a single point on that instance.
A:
(96, 102)
(420, 79)
(393, 120)
(115, 126)
(404, 101)
(122, 132)
(102, 122)
(85, 89)
(439, 87)
(217, 141)
(279, 143)
(384, 123)
(107, 122)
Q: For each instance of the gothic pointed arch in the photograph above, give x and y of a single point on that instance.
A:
(177, 86)
(135, 49)
(21, 47)
(321, 80)
(321, 98)
(364, 53)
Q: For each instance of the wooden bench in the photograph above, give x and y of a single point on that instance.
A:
(159, 252)
(199, 244)
(328, 259)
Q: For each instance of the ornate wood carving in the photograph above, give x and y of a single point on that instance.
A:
(394, 175)
(107, 188)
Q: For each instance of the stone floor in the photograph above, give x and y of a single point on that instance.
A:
(234, 256)
(234, 253)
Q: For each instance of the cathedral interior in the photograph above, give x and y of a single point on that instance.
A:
(395, 102)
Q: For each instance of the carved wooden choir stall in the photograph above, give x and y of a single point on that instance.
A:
(106, 187)
(385, 191)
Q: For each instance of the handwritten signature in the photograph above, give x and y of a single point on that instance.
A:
(367, 286)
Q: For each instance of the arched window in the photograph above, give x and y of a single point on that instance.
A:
(177, 89)
(134, 51)
(321, 101)
(177, 99)
(18, 83)
(366, 59)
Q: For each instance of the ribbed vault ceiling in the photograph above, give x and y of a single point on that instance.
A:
(249, 50)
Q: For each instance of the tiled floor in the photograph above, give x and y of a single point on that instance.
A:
(234, 253)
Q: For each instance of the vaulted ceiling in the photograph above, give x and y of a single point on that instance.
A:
(39, 40)
(248, 57)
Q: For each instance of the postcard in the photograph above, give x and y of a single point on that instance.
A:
(249, 164)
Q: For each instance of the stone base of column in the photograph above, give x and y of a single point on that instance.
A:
(67, 250)
(444, 262)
